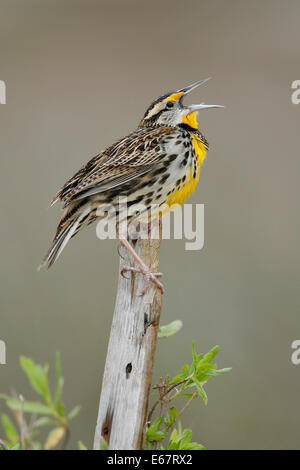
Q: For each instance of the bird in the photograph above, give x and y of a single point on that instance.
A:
(156, 165)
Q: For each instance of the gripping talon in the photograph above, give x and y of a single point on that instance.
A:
(143, 269)
(150, 277)
(124, 270)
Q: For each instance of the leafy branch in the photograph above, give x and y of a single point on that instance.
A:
(188, 383)
(29, 417)
(49, 411)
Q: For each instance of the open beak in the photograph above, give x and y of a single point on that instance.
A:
(192, 87)
(196, 107)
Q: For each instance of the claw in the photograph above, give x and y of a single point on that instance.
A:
(124, 270)
(150, 277)
(143, 269)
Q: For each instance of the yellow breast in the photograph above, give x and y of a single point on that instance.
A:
(180, 195)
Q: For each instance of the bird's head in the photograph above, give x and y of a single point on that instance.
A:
(169, 110)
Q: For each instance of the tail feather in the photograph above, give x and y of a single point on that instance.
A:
(64, 234)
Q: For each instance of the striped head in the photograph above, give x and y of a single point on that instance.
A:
(169, 110)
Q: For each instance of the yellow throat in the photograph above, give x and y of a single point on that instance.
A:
(192, 177)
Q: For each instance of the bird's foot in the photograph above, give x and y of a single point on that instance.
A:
(150, 277)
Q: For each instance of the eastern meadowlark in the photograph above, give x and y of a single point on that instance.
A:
(157, 164)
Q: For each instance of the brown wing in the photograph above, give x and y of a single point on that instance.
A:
(127, 159)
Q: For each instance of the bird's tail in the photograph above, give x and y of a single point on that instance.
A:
(77, 215)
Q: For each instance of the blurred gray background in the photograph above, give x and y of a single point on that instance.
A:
(79, 75)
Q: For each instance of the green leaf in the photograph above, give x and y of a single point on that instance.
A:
(10, 430)
(74, 412)
(170, 417)
(201, 370)
(169, 330)
(185, 441)
(156, 424)
(185, 438)
(203, 366)
(28, 406)
(181, 440)
(37, 376)
(194, 446)
(214, 372)
(200, 390)
(176, 379)
(43, 421)
(208, 357)
(173, 440)
(181, 376)
(153, 433)
(156, 435)
(58, 381)
(54, 437)
(60, 409)
(82, 446)
(103, 444)
(196, 358)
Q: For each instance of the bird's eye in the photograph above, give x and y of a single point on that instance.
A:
(170, 104)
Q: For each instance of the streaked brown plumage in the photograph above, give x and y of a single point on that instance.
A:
(159, 163)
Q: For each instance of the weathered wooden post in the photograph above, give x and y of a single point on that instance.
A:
(129, 362)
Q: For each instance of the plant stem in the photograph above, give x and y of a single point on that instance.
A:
(66, 438)
(163, 395)
(183, 409)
